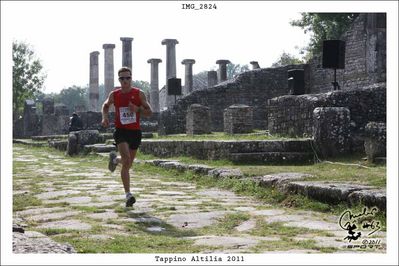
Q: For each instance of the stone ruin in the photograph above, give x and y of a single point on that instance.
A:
(265, 91)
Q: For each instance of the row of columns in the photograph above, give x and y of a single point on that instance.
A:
(213, 76)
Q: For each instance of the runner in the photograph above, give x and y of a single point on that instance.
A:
(130, 103)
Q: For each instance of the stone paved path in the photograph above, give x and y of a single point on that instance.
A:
(82, 197)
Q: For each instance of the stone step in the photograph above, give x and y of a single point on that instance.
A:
(272, 157)
(99, 148)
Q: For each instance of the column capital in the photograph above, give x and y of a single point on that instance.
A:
(223, 62)
(108, 46)
(188, 61)
(126, 39)
(169, 41)
(154, 61)
(95, 53)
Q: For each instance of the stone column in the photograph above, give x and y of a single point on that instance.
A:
(170, 65)
(93, 87)
(222, 72)
(255, 64)
(154, 93)
(212, 78)
(188, 75)
(108, 68)
(127, 51)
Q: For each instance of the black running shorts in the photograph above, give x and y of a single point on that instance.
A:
(131, 137)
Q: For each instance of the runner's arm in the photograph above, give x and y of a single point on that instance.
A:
(145, 108)
(105, 109)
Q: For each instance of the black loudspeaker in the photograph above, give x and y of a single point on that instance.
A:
(296, 81)
(334, 54)
(174, 86)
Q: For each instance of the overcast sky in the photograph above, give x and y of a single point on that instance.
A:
(64, 33)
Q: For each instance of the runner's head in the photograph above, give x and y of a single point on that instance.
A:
(125, 76)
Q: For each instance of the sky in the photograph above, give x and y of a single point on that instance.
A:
(63, 34)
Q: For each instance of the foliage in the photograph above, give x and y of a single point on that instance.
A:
(72, 97)
(27, 74)
(233, 70)
(287, 59)
(141, 84)
(324, 26)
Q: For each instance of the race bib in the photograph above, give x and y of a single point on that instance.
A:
(127, 116)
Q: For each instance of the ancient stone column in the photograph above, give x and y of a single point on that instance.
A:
(127, 51)
(212, 78)
(170, 65)
(108, 68)
(93, 87)
(255, 64)
(188, 75)
(154, 93)
(222, 71)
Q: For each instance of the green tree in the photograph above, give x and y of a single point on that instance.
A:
(287, 59)
(233, 70)
(72, 97)
(141, 84)
(27, 74)
(323, 26)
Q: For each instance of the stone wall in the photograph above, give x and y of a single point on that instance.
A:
(293, 115)
(216, 150)
(365, 57)
(251, 88)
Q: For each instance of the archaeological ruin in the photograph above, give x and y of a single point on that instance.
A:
(259, 99)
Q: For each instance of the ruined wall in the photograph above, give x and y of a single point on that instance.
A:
(293, 115)
(251, 88)
(365, 57)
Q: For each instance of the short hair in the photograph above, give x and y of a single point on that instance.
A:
(125, 69)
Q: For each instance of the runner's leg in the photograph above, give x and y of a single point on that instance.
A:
(125, 160)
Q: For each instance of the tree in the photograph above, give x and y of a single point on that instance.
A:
(27, 74)
(72, 97)
(324, 26)
(233, 70)
(141, 84)
(287, 59)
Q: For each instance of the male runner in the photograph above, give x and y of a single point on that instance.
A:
(130, 103)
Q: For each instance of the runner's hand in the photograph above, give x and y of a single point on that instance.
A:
(105, 122)
(133, 108)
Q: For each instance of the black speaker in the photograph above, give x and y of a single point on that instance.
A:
(334, 54)
(174, 86)
(296, 81)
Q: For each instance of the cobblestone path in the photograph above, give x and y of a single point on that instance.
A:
(78, 201)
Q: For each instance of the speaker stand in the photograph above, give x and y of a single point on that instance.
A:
(335, 83)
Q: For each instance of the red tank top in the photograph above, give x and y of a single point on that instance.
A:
(124, 118)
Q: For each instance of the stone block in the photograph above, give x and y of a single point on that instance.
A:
(238, 119)
(198, 120)
(375, 141)
(331, 130)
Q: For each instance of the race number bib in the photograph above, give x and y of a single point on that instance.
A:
(127, 116)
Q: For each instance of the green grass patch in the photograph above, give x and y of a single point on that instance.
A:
(225, 225)
(132, 244)
(23, 201)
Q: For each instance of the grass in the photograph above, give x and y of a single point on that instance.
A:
(374, 175)
(172, 239)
